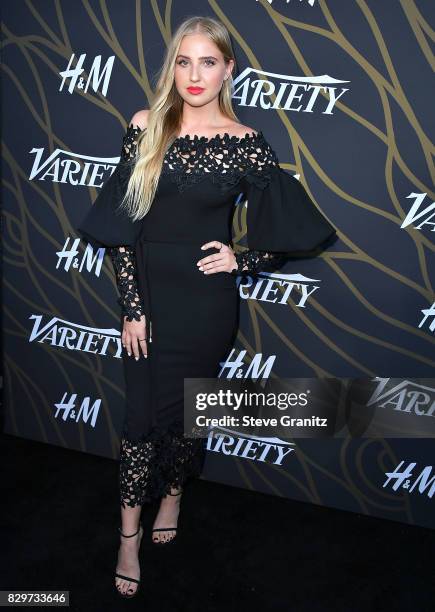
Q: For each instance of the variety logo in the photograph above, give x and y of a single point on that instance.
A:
(417, 211)
(90, 260)
(73, 168)
(97, 74)
(238, 369)
(74, 337)
(266, 286)
(254, 88)
(266, 450)
(406, 396)
(428, 314)
(86, 413)
(404, 477)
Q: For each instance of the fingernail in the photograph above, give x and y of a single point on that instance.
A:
(201, 267)
(129, 354)
(137, 358)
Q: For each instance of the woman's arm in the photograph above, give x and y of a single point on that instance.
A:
(250, 261)
(123, 257)
(124, 264)
(253, 262)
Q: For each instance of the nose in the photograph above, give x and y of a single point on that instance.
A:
(194, 76)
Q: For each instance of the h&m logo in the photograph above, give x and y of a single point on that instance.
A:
(96, 74)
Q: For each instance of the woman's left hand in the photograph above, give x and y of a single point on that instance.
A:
(223, 261)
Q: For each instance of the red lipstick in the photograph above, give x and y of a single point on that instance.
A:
(195, 90)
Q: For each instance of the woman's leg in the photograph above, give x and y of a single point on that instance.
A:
(134, 469)
(185, 457)
(167, 516)
(128, 554)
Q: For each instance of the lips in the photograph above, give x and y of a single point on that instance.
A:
(195, 90)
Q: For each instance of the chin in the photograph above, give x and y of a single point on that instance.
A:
(195, 101)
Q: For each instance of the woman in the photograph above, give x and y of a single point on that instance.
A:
(166, 215)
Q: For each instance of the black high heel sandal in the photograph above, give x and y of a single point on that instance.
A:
(159, 542)
(125, 595)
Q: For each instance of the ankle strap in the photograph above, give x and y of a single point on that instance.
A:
(128, 536)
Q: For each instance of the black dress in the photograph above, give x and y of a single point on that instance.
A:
(191, 317)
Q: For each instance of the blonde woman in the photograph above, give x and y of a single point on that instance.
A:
(166, 216)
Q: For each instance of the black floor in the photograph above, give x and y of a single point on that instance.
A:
(235, 550)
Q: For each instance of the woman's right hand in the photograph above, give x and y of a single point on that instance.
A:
(134, 337)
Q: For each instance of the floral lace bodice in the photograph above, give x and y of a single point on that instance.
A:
(188, 161)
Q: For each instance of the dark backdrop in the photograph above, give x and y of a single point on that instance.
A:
(354, 123)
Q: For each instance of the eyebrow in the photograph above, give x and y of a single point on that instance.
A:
(203, 57)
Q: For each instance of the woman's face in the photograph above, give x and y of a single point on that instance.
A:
(200, 69)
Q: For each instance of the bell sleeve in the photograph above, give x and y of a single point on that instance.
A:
(106, 226)
(282, 220)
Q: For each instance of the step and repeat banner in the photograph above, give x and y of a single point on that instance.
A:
(341, 90)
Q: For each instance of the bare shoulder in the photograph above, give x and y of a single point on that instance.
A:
(240, 130)
(140, 119)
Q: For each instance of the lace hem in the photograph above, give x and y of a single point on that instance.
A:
(149, 467)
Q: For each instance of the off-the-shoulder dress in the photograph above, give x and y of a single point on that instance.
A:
(191, 318)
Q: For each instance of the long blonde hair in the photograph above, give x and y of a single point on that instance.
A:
(164, 117)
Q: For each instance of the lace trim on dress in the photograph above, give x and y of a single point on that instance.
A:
(253, 262)
(124, 263)
(150, 467)
(223, 158)
(129, 143)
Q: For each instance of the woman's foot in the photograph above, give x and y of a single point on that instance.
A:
(128, 562)
(167, 517)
